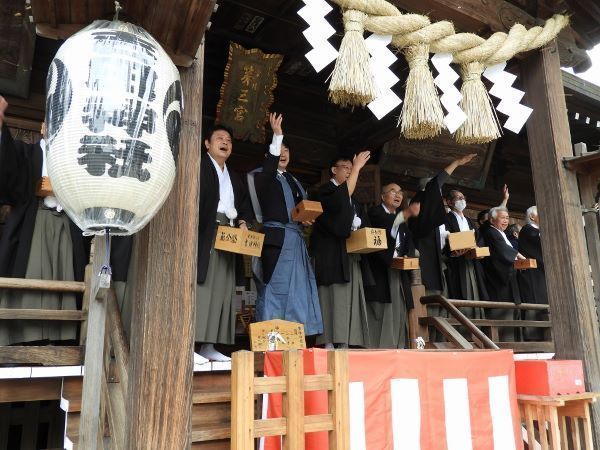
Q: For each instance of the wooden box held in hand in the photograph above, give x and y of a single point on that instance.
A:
(44, 188)
(523, 264)
(462, 240)
(366, 240)
(405, 263)
(307, 210)
(478, 253)
(237, 240)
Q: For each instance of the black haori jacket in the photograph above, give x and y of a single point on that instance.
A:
(209, 200)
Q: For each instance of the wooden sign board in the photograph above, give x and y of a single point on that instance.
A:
(366, 240)
(478, 253)
(44, 188)
(462, 240)
(405, 263)
(523, 264)
(237, 240)
(307, 210)
(284, 335)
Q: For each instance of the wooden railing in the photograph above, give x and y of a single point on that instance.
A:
(45, 355)
(294, 424)
(484, 332)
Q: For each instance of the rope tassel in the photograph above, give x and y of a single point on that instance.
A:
(481, 125)
(352, 82)
(422, 115)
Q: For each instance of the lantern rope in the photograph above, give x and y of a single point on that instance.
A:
(106, 271)
(413, 33)
(118, 9)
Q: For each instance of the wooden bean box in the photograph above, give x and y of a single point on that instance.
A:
(306, 210)
(237, 240)
(366, 240)
(462, 240)
(478, 253)
(524, 264)
(44, 188)
(405, 263)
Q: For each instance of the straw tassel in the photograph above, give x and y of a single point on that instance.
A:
(422, 115)
(352, 82)
(482, 124)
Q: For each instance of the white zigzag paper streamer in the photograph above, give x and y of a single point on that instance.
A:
(510, 97)
(323, 53)
(451, 97)
(381, 60)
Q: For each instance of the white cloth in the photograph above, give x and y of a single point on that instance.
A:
(443, 235)
(399, 220)
(463, 223)
(226, 198)
(355, 219)
(50, 201)
(275, 147)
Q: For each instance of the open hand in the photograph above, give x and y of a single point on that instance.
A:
(308, 223)
(359, 161)
(505, 193)
(275, 121)
(466, 159)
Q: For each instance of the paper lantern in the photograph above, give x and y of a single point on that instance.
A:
(113, 115)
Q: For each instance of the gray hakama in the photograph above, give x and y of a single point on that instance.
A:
(471, 293)
(50, 258)
(388, 324)
(215, 314)
(344, 310)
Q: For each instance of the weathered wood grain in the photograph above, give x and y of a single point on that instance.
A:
(574, 321)
(162, 335)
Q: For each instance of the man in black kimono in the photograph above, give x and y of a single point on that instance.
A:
(429, 229)
(285, 280)
(224, 201)
(390, 297)
(465, 276)
(533, 281)
(38, 241)
(339, 275)
(499, 269)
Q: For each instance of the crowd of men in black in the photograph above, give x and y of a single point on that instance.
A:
(343, 299)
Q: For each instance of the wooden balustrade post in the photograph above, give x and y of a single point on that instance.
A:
(337, 364)
(242, 400)
(293, 400)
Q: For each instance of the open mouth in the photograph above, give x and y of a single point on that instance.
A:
(223, 148)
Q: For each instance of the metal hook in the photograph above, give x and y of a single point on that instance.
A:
(118, 8)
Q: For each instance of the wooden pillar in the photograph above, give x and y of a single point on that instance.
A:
(162, 337)
(574, 324)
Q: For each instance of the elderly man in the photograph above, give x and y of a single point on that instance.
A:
(390, 297)
(533, 281)
(465, 276)
(499, 268)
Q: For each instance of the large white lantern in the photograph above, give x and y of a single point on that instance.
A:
(113, 117)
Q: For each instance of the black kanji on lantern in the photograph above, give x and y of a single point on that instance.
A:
(126, 159)
(172, 106)
(123, 98)
(60, 94)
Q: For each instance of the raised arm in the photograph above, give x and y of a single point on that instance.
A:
(358, 163)
(272, 158)
(505, 196)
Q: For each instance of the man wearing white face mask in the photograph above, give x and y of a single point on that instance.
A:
(465, 276)
(340, 275)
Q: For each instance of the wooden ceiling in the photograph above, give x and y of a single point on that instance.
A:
(177, 24)
(318, 130)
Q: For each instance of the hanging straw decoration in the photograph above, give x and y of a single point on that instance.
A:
(352, 81)
(422, 114)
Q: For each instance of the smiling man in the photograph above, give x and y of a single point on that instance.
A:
(223, 199)
(286, 284)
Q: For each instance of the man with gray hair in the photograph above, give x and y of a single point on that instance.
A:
(533, 281)
(499, 267)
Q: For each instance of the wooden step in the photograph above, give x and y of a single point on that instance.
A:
(528, 347)
(30, 389)
(48, 355)
(212, 445)
(211, 432)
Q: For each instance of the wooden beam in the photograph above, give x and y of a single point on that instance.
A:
(92, 421)
(28, 390)
(42, 285)
(162, 332)
(47, 356)
(40, 314)
(574, 321)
